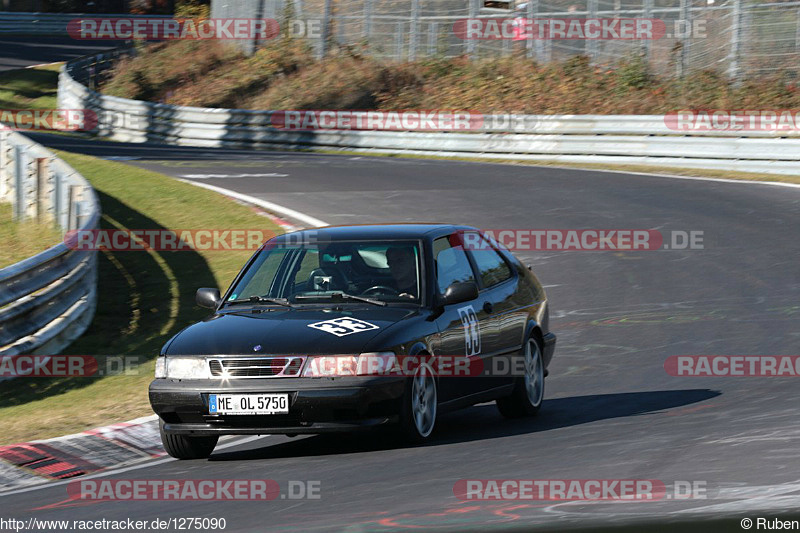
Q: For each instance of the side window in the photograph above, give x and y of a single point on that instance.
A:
(491, 267)
(452, 264)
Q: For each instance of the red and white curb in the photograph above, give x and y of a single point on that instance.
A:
(91, 451)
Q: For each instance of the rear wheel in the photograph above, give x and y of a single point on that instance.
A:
(420, 404)
(526, 399)
(186, 447)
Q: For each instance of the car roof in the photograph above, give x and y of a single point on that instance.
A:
(371, 231)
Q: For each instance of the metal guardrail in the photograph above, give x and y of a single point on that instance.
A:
(50, 24)
(48, 300)
(615, 139)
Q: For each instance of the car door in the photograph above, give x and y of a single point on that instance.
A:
(505, 319)
(463, 326)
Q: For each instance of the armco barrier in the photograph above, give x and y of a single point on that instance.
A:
(615, 139)
(48, 300)
(50, 24)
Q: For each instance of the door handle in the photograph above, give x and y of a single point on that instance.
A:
(488, 307)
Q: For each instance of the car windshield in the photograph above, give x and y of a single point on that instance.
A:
(341, 271)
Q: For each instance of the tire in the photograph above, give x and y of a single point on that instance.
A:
(186, 447)
(420, 406)
(526, 399)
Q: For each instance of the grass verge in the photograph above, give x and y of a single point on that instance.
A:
(30, 88)
(144, 297)
(21, 240)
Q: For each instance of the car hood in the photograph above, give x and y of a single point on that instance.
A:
(283, 331)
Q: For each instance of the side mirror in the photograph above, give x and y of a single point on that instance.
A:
(209, 298)
(460, 292)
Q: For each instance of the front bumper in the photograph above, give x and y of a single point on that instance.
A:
(316, 405)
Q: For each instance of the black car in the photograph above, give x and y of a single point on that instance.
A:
(291, 346)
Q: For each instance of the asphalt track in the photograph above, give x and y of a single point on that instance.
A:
(611, 411)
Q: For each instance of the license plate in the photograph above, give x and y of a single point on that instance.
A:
(248, 404)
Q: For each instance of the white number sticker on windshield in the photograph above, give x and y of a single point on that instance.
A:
(343, 326)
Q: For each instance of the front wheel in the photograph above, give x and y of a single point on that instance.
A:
(186, 447)
(526, 399)
(420, 404)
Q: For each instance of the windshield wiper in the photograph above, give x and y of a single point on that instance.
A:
(344, 296)
(261, 300)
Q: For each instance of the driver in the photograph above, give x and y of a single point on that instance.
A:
(402, 264)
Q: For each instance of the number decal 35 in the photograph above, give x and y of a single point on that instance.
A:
(472, 332)
(343, 326)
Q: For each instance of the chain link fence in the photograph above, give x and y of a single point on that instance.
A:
(739, 37)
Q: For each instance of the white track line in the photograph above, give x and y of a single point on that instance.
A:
(302, 217)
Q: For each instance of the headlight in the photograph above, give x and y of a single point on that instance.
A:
(186, 368)
(161, 367)
(331, 365)
(373, 363)
(377, 363)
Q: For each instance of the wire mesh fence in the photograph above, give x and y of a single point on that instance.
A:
(739, 37)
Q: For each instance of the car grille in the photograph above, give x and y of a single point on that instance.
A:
(256, 367)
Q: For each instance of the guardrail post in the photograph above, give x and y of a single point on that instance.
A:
(19, 184)
(92, 78)
(29, 187)
(44, 189)
(61, 214)
(72, 216)
(5, 181)
(80, 216)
